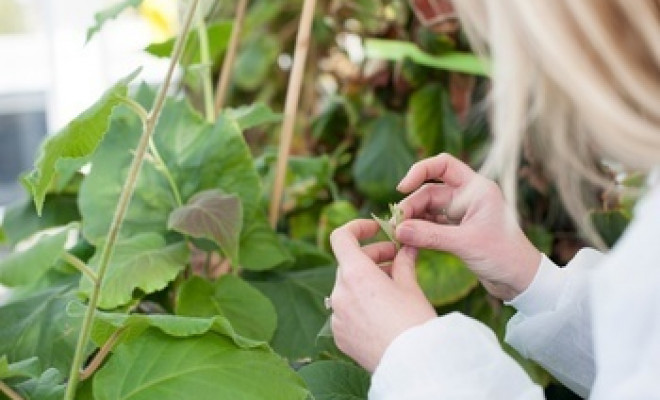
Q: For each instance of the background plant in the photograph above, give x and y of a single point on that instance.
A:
(199, 288)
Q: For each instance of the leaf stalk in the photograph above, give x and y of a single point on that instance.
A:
(206, 65)
(80, 266)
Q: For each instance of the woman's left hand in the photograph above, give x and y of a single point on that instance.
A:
(371, 304)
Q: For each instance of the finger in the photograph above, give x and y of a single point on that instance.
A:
(443, 167)
(387, 269)
(429, 235)
(403, 267)
(345, 240)
(380, 252)
(431, 198)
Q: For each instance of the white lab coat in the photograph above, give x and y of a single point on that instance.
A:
(594, 325)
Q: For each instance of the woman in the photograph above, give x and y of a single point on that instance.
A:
(580, 80)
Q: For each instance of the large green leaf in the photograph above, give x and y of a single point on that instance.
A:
(199, 155)
(47, 386)
(443, 277)
(399, 50)
(217, 33)
(307, 255)
(157, 366)
(21, 219)
(251, 314)
(28, 266)
(142, 262)
(333, 216)
(38, 325)
(26, 368)
(211, 215)
(261, 249)
(298, 299)
(256, 61)
(335, 119)
(336, 380)
(133, 325)
(383, 159)
(109, 13)
(253, 115)
(610, 224)
(307, 180)
(431, 123)
(78, 139)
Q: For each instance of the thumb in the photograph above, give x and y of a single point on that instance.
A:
(430, 235)
(403, 266)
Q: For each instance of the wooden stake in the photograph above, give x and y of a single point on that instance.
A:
(230, 56)
(291, 106)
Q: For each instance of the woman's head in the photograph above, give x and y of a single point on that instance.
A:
(579, 79)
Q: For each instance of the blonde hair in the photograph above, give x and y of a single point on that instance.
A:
(579, 79)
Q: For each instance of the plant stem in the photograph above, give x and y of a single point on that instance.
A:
(101, 355)
(136, 107)
(230, 56)
(9, 392)
(122, 207)
(80, 266)
(160, 164)
(205, 58)
(291, 107)
(162, 167)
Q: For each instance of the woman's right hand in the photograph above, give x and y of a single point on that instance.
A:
(466, 215)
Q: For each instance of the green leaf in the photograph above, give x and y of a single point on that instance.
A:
(143, 262)
(336, 380)
(28, 266)
(199, 155)
(109, 13)
(443, 277)
(38, 325)
(610, 224)
(48, 386)
(78, 139)
(395, 50)
(255, 62)
(28, 368)
(211, 215)
(3, 235)
(218, 34)
(261, 248)
(383, 159)
(21, 220)
(540, 237)
(253, 115)
(333, 216)
(424, 119)
(307, 255)
(250, 313)
(133, 325)
(298, 299)
(335, 119)
(157, 366)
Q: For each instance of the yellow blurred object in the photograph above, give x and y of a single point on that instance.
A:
(162, 17)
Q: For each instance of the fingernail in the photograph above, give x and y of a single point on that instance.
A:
(405, 234)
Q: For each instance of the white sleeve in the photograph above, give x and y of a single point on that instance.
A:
(452, 357)
(553, 323)
(626, 315)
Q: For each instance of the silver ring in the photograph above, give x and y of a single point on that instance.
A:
(327, 303)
